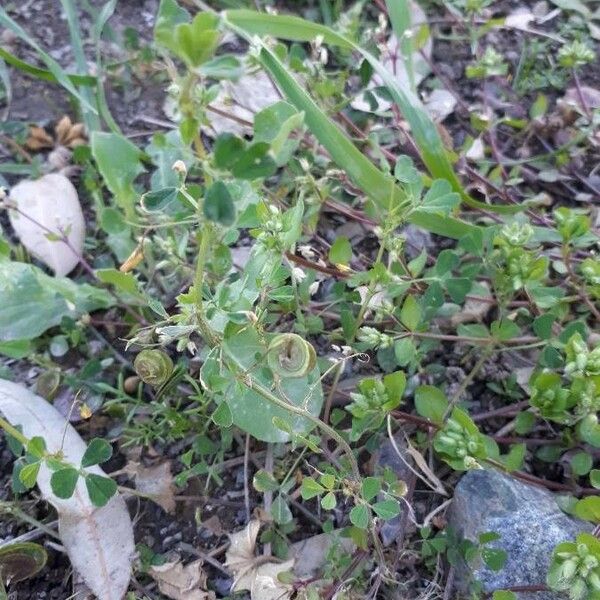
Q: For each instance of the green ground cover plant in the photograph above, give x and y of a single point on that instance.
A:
(220, 270)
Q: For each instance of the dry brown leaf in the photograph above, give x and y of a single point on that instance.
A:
(38, 139)
(256, 574)
(66, 134)
(181, 582)
(474, 310)
(155, 482)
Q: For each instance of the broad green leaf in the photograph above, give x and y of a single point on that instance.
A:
(581, 463)
(16, 348)
(387, 509)
(280, 511)
(328, 501)
(169, 16)
(28, 474)
(97, 452)
(371, 486)
(595, 478)
(254, 162)
(440, 198)
(100, 489)
(588, 509)
(405, 351)
(340, 252)
(310, 488)
(410, 315)
(264, 482)
(36, 447)
(504, 595)
(222, 415)
(251, 411)
(119, 164)
(197, 41)
(63, 482)
(32, 301)
(225, 66)
(227, 150)
(431, 403)
(359, 516)
(494, 558)
(218, 204)
(504, 330)
(274, 125)
(122, 282)
(159, 200)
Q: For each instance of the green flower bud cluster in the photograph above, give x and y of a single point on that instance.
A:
(549, 396)
(374, 338)
(517, 234)
(580, 360)
(522, 266)
(272, 227)
(456, 441)
(372, 397)
(576, 568)
(590, 269)
(575, 54)
(571, 224)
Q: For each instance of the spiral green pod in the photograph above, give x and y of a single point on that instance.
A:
(289, 355)
(154, 367)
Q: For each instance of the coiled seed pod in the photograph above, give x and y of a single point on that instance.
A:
(153, 366)
(289, 355)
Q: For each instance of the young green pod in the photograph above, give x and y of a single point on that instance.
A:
(289, 355)
(154, 367)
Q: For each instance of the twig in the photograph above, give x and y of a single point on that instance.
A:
(246, 475)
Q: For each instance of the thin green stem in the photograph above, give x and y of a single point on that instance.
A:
(13, 431)
(332, 433)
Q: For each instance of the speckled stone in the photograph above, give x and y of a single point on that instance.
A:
(526, 517)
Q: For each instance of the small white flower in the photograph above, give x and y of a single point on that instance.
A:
(179, 167)
(313, 288)
(298, 275)
(307, 252)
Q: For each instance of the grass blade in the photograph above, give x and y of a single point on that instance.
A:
(54, 68)
(44, 74)
(379, 186)
(90, 118)
(400, 17)
(424, 130)
(101, 20)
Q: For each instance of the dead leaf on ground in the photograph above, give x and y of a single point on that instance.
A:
(474, 310)
(155, 481)
(440, 104)
(49, 208)
(259, 574)
(98, 540)
(181, 582)
(237, 102)
(66, 133)
(311, 554)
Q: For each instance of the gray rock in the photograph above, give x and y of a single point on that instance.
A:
(526, 517)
